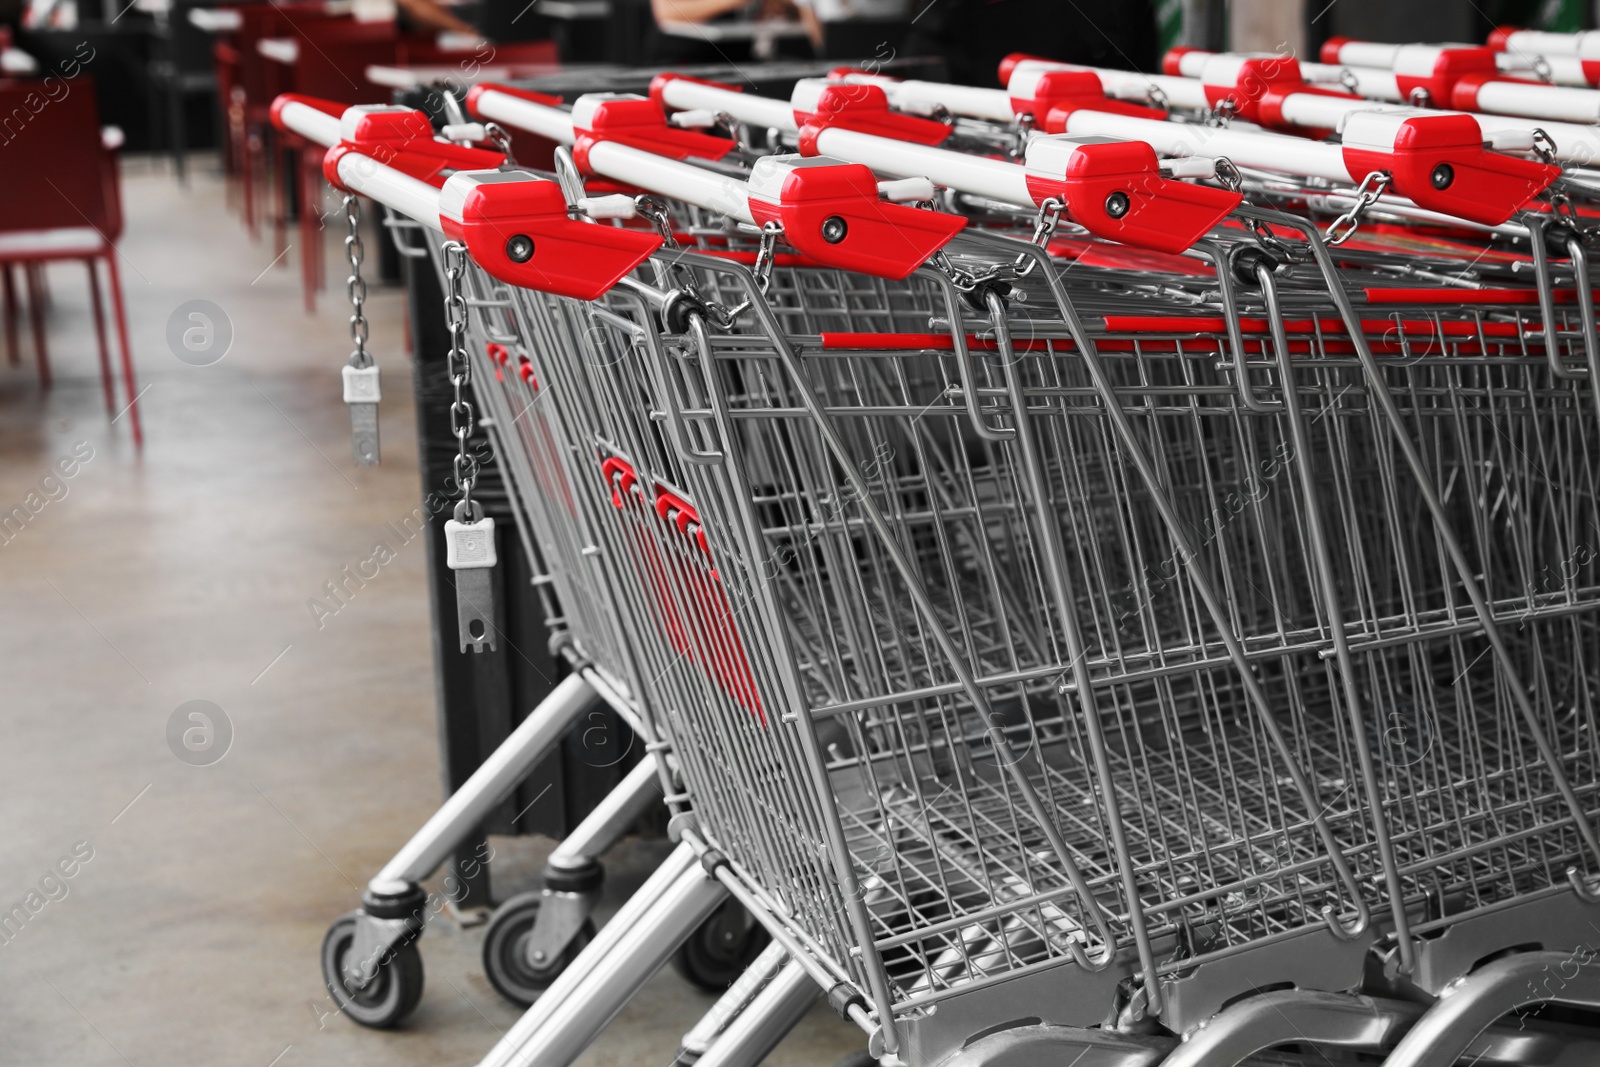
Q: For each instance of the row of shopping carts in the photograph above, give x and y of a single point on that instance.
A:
(1101, 575)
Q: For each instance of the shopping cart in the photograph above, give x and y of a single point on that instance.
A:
(837, 380)
(370, 960)
(1093, 646)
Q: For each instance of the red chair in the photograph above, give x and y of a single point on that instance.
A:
(251, 82)
(60, 199)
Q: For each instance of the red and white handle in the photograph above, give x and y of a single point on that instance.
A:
(831, 211)
(1573, 58)
(1453, 77)
(1435, 160)
(1462, 77)
(516, 225)
(1117, 190)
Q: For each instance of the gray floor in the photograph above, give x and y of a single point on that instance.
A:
(144, 581)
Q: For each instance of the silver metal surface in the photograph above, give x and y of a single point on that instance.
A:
(611, 818)
(1507, 985)
(752, 1034)
(600, 981)
(497, 776)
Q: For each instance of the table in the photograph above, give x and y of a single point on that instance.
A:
(16, 61)
(285, 50)
(216, 19)
(576, 10)
(408, 77)
(763, 34)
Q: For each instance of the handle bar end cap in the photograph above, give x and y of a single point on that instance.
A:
(658, 85)
(475, 94)
(516, 227)
(863, 108)
(283, 100)
(1438, 161)
(1115, 190)
(1011, 61)
(831, 213)
(639, 122)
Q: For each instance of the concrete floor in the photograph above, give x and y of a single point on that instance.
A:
(190, 935)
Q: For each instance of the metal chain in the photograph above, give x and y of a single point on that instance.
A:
(1024, 133)
(1420, 97)
(460, 368)
(1542, 71)
(1347, 78)
(1344, 227)
(1231, 178)
(501, 140)
(1544, 146)
(1157, 98)
(1219, 116)
(766, 255)
(355, 286)
(1561, 206)
(1044, 228)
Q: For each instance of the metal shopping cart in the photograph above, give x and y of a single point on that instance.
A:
(836, 380)
(1060, 658)
(369, 957)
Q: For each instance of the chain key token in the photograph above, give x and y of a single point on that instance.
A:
(361, 390)
(470, 553)
(362, 393)
(469, 537)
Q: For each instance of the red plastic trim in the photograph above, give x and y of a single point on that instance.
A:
(1159, 214)
(1073, 90)
(327, 107)
(881, 239)
(525, 94)
(1487, 187)
(1498, 36)
(404, 141)
(569, 257)
(864, 109)
(1009, 64)
(640, 123)
(1451, 66)
(1330, 49)
(1172, 62)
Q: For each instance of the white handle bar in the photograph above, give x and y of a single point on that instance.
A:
(1540, 43)
(319, 127)
(361, 173)
(405, 194)
(680, 181)
(681, 94)
(1263, 151)
(508, 110)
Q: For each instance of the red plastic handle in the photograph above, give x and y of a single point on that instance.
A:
(638, 122)
(679, 513)
(516, 227)
(865, 109)
(831, 213)
(402, 138)
(1065, 91)
(1440, 163)
(1115, 190)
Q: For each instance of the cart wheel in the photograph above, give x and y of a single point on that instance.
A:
(394, 991)
(721, 948)
(505, 958)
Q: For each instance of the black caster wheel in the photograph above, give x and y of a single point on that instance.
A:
(721, 948)
(505, 958)
(394, 991)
